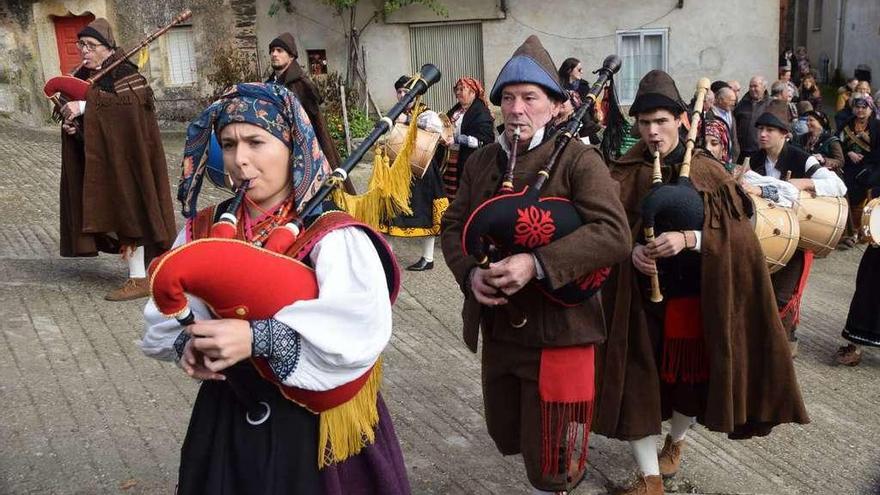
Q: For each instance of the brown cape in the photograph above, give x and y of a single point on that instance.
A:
(752, 385)
(114, 185)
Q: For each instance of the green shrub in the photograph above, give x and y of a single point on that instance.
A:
(359, 125)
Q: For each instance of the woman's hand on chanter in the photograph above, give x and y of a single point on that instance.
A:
(222, 342)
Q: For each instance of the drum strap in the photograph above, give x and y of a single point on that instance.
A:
(855, 138)
(812, 170)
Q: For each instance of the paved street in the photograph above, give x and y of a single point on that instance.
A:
(82, 411)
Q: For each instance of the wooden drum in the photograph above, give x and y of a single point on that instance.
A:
(426, 145)
(777, 230)
(871, 221)
(823, 220)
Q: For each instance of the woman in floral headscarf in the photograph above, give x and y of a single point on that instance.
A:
(718, 142)
(320, 345)
(473, 123)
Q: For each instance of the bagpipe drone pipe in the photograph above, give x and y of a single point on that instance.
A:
(676, 205)
(240, 280)
(519, 222)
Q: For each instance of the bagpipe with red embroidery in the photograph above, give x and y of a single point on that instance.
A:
(519, 222)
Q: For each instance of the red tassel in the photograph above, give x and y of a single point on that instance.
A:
(794, 304)
(565, 429)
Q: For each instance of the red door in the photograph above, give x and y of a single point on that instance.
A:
(65, 34)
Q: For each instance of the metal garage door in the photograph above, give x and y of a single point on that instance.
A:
(456, 49)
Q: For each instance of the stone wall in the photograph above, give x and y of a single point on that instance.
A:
(20, 71)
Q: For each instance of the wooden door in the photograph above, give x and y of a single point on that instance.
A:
(66, 29)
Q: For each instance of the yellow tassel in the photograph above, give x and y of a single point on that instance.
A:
(143, 57)
(346, 429)
(388, 191)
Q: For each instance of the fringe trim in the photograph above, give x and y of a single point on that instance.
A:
(685, 360)
(793, 306)
(346, 429)
(388, 192)
(565, 430)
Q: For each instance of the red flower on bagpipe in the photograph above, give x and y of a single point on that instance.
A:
(534, 227)
(593, 280)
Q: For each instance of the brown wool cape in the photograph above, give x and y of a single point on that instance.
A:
(114, 184)
(752, 385)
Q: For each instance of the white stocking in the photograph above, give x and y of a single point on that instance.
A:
(136, 267)
(428, 248)
(645, 453)
(679, 425)
(535, 491)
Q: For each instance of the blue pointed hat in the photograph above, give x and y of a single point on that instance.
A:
(530, 64)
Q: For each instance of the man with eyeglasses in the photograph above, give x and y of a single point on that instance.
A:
(115, 196)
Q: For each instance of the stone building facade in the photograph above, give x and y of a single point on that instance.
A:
(719, 39)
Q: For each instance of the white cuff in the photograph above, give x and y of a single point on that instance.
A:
(539, 271)
(82, 106)
(698, 236)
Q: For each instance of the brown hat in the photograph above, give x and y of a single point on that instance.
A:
(285, 42)
(803, 107)
(101, 31)
(529, 64)
(657, 90)
(777, 114)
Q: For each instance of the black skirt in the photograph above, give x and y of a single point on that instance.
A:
(223, 453)
(863, 321)
(428, 202)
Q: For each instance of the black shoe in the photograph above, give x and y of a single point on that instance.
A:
(421, 265)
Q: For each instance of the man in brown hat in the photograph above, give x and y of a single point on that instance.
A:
(283, 57)
(688, 357)
(554, 347)
(115, 195)
(771, 164)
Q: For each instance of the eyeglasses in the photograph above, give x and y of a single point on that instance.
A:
(87, 47)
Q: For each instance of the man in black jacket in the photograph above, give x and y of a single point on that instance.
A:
(747, 112)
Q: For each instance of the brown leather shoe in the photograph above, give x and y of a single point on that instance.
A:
(670, 457)
(849, 355)
(133, 288)
(644, 485)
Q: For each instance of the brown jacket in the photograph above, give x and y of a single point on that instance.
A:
(603, 240)
(752, 385)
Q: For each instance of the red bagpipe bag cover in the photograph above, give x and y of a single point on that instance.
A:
(242, 281)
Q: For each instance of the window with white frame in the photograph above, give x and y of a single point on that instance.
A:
(641, 51)
(181, 56)
(817, 15)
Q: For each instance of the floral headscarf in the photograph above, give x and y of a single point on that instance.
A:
(474, 85)
(271, 107)
(717, 128)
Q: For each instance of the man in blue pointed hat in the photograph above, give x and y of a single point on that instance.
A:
(538, 374)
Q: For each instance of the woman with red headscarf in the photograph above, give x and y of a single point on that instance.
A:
(473, 123)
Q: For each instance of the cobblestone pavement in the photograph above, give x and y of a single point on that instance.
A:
(83, 411)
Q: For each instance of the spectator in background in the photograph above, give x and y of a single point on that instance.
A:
(799, 127)
(747, 112)
(785, 76)
(863, 87)
(725, 101)
(782, 91)
(786, 59)
(843, 94)
(809, 91)
(820, 142)
(736, 87)
(571, 74)
(802, 65)
(860, 140)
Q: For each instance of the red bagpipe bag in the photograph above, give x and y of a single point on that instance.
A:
(268, 279)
